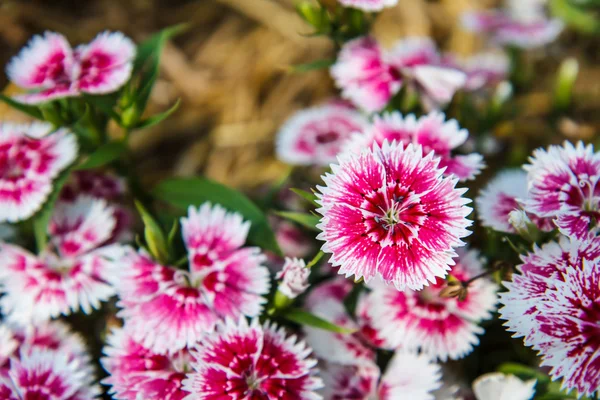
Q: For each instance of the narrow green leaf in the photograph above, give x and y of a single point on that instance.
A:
(155, 238)
(524, 372)
(33, 111)
(42, 218)
(312, 66)
(103, 156)
(310, 197)
(155, 119)
(307, 220)
(185, 192)
(305, 318)
(147, 61)
(106, 104)
(579, 19)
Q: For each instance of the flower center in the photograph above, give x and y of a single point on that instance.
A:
(590, 200)
(327, 137)
(391, 216)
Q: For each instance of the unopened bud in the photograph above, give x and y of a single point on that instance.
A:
(523, 225)
(293, 278)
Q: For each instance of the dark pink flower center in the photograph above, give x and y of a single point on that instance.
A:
(327, 137)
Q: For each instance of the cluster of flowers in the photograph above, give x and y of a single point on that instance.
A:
(391, 215)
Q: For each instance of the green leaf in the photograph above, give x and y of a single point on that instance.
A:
(524, 372)
(33, 111)
(307, 220)
(185, 192)
(305, 318)
(155, 238)
(106, 104)
(103, 156)
(579, 19)
(155, 119)
(42, 218)
(310, 197)
(147, 61)
(312, 66)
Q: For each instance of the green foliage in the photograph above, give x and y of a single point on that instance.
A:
(103, 155)
(307, 220)
(305, 318)
(42, 218)
(185, 192)
(154, 235)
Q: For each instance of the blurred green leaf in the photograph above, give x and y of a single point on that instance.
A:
(104, 155)
(524, 372)
(42, 218)
(106, 104)
(153, 233)
(155, 119)
(307, 220)
(312, 66)
(33, 111)
(146, 63)
(185, 192)
(310, 197)
(579, 19)
(305, 318)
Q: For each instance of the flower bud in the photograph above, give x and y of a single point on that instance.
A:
(293, 278)
(523, 225)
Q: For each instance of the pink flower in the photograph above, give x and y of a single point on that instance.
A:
(369, 5)
(503, 195)
(241, 360)
(167, 309)
(432, 132)
(51, 69)
(138, 373)
(522, 24)
(440, 327)
(484, 70)
(293, 277)
(554, 304)
(71, 275)
(53, 336)
(564, 184)
(389, 212)
(292, 240)
(407, 376)
(370, 76)
(314, 136)
(30, 159)
(497, 386)
(47, 375)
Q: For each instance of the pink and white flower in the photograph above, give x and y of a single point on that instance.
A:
(553, 304)
(71, 275)
(51, 69)
(432, 131)
(31, 157)
(293, 278)
(498, 386)
(369, 5)
(370, 76)
(564, 185)
(499, 197)
(241, 360)
(41, 374)
(407, 376)
(315, 136)
(389, 212)
(139, 373)
(521, 24)
(444, 328)
(167, 309)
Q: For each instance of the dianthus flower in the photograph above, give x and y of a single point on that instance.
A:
(138, 373)
(442, 327)
(240, 360)
(315, 136)
(497, 386)
(47, 360)
(71, 274)
(167, 309)
(50, 69)
(370, 76)
(554, 305)
(564, 185)
(522, 23)
(31, 157)
(431, 131)
(388, 211)
(369, 5)
(501, 196)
